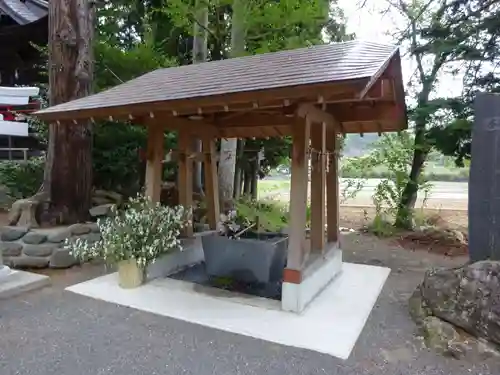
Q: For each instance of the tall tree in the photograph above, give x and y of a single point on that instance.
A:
(68, 177)
(442, 36)
(200, 52)
(228, 147)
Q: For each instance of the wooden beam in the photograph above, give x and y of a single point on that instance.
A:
(298, 195)
(193, 127)
(318, 187)
(185, 176)
(173, 155)
(314, 114)
(211, 182)
(354, 112)
(332, 186)
(154, 157)
(209, 103)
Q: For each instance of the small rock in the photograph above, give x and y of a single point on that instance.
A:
(12, 233)
(59, 236)
(102, 210)
(11, 249)
(97, 201)
(62, 258)
(78, 229)
(29, 262)
(94, 228)
(110, 195)
(7, 262)
(43, 250)
(34, 238)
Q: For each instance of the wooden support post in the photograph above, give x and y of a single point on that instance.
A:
(318, 187)
(185, 176)
(298, 196)
(154, 158)
(211, 182)
(332, 187)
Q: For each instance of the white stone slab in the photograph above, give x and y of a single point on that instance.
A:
(20, 281)
(14, 128)
(331, 324)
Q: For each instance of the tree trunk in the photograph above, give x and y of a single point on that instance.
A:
(238, 174)
(228, 147)
(68, 173)
(255, 173)
(404, 216)
(200, 52)
(247, 185)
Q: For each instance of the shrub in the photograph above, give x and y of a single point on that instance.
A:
(116, 161)
(22, 179)
(256, 215)
(142, 231)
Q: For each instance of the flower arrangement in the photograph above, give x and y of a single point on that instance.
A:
(142, 232)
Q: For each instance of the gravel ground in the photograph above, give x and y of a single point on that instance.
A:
(56, 332)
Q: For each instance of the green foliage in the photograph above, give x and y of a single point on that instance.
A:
(458, 38)
(116, 156)
(394, 151)
(265, 215)
(22, 179)
(116, 65)
(116, 160)
(254, 216)
(381, 226)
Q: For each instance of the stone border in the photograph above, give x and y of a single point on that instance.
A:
(43, 248)
(19, 282)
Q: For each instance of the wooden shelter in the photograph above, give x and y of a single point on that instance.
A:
(313, 94)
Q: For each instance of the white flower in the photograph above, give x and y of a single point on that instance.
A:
(143, 231)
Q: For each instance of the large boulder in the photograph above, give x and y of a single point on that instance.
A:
(467, 297)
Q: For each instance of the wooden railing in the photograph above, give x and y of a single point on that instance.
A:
(16, 149)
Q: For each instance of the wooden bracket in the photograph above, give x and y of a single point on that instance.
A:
(175, 155)
(314, 114)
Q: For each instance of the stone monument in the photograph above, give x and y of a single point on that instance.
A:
(484, 180)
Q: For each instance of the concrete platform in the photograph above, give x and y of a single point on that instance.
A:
(330, 325)
(20, 281)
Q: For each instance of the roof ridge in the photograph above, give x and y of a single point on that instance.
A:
(264, 56)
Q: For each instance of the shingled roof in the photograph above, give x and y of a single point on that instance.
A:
(24, 12)
(330, 63)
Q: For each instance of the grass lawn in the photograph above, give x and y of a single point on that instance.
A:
(269, 188)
